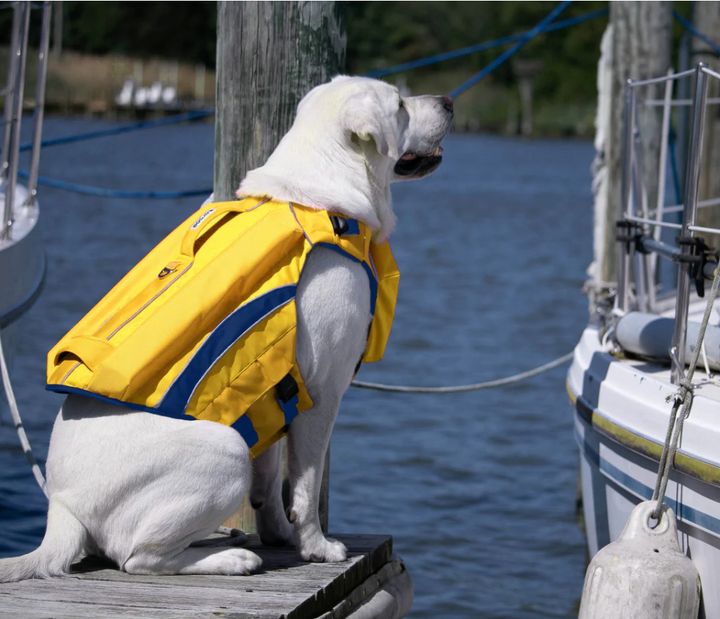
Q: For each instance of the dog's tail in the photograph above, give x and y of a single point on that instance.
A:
(64, 540)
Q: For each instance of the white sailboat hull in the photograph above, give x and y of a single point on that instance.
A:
(22, 270)
(621, 418)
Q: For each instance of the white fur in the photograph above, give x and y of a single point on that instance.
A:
(141, 488)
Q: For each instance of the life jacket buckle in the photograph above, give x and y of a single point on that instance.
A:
(170, 268)
(339, 224)
(287, 389)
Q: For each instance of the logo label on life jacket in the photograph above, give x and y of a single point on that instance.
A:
(201, 219)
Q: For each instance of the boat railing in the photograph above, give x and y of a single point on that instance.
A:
(14, 99)
(640, 228)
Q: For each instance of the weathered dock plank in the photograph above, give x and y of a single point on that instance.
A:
(286, 588)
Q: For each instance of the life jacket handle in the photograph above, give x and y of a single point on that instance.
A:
(91, 351)
(214, 212)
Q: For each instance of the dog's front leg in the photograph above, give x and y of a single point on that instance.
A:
(307, 444)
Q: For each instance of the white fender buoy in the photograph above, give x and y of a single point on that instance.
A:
(642, 575)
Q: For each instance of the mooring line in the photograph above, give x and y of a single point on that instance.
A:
(17, 421)
(460, 388)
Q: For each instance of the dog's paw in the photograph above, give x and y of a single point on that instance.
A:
(324, 550)
(237, 562)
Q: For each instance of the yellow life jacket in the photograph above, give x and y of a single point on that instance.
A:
(205, 324)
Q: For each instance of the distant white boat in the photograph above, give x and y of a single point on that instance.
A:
(140, 96)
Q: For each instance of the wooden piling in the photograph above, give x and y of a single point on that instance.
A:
(641, 43)
(269, 55)
(706, 17)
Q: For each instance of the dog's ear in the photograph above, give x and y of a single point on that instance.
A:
(364, 117)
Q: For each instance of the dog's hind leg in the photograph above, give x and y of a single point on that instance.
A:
(227, 561)
(266, 498)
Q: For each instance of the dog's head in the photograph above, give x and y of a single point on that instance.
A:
(351, 139)
(406, 131)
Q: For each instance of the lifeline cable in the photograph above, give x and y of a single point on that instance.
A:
(17, 421)
(684, 396)
(460, 388)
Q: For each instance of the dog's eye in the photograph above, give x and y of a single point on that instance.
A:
(402, 104)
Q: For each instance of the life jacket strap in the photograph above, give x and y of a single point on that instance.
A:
(286, 394)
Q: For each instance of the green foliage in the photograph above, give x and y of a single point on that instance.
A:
(179, 30)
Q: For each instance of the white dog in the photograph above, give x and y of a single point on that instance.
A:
(140, 488)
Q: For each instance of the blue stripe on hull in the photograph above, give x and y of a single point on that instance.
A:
(682, 511)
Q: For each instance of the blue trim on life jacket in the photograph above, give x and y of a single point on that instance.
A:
(243, 425)
(224, 336)
(246, 429)
(371, 276)
(136, 407)
(289, 408)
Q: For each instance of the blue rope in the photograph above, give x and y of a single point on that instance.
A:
(119, 193)
(529, 35)
(674, 168)
(714, 46)
(116, 193)
(170, 120)
(464, 51)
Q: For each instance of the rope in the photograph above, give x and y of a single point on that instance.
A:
(89, 190)
(528, 36)
(17, 421)
(480, 47)
(684, 397)
(148, 124)
(695, 32)
(674, 168)
(460, 388)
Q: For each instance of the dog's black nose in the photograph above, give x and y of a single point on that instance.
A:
(448, 103)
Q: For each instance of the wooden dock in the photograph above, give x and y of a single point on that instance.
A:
(371, 583)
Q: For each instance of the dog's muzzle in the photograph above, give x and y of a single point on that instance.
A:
(411, 164)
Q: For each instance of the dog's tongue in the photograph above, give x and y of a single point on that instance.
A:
(411, 156)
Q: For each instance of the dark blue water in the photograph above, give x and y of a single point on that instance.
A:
(478, 489)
